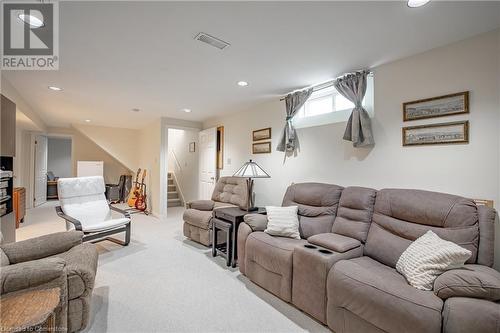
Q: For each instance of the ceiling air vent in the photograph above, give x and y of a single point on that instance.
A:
(210, 40)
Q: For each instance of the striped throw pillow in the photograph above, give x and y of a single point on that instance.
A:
(283, 221)
(428, 257)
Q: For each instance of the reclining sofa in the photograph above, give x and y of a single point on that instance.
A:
(342, 270)
(228, 192)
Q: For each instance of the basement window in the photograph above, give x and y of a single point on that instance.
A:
(327, 106)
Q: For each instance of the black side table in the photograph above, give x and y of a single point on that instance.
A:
(229, 219)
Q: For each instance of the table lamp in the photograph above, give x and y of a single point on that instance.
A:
(251, 170)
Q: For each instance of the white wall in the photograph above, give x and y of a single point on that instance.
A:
(59, 157)
(470, 170)
(186, 166)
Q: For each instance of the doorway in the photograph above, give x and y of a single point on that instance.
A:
(183, 164)
(52, 160)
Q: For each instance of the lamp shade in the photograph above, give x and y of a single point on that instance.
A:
(251, 170)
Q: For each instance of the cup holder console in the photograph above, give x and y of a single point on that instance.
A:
(309, 246)
(325, 251)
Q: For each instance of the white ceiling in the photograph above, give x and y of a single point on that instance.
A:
(116, 56)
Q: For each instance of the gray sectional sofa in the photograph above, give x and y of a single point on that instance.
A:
(342, 272)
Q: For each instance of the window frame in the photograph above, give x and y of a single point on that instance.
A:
(301, 120)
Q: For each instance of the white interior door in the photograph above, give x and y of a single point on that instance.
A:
(40, 170)
(207, 162)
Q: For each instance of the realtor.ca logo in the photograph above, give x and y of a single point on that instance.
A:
(30, 39)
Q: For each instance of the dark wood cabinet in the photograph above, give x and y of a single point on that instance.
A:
(8, 126)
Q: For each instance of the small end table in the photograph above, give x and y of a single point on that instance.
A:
(228, 219)
(31, 311)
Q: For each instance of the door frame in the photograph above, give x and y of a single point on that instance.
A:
(34, 139)
(30, 191)
(166, 124)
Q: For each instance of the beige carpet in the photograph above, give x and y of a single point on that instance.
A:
(164, 283)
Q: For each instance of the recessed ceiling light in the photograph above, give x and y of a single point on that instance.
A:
(87, 120)
(31, 20)
(417, 3)
(136, 109)
(242, 83)
(55, 88)
(186, 110)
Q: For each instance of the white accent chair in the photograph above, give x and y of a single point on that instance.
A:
(85, 208)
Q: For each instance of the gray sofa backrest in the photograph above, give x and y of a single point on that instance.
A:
(231, 190)
(317, 204)
(355, 212)
(401, 216)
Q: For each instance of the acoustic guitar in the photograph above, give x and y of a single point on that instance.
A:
(141, 202)
(132, 195)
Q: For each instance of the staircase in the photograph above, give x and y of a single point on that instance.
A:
(173, 198)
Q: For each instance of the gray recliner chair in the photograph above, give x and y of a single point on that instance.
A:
(50, 261)
(228, 192)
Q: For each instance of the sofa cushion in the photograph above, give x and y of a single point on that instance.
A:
(334, 242)
(401, 216)
(475, 281)
(268, 262)
(355, 212)
(231, 190)
(428, 257)
(317, 206)
(199, 218)
(282, 221)
(381, 296)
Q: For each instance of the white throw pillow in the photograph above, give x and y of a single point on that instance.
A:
(428, 257)
(283, 221)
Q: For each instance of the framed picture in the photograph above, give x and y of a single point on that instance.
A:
(261, 134)
(445, 133)
(437, 106)
(192, 147)
(261, 147)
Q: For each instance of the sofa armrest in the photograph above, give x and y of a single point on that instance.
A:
(82, 261)
(243, 231)
(334, 242)
(206, 205)
(256, 222)
(41, 247)
(31, 274)
(474, 281)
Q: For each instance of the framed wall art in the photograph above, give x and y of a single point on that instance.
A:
(261, 134)
(261, 147)
(192, 147)
(440, 106)
(444, 133)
